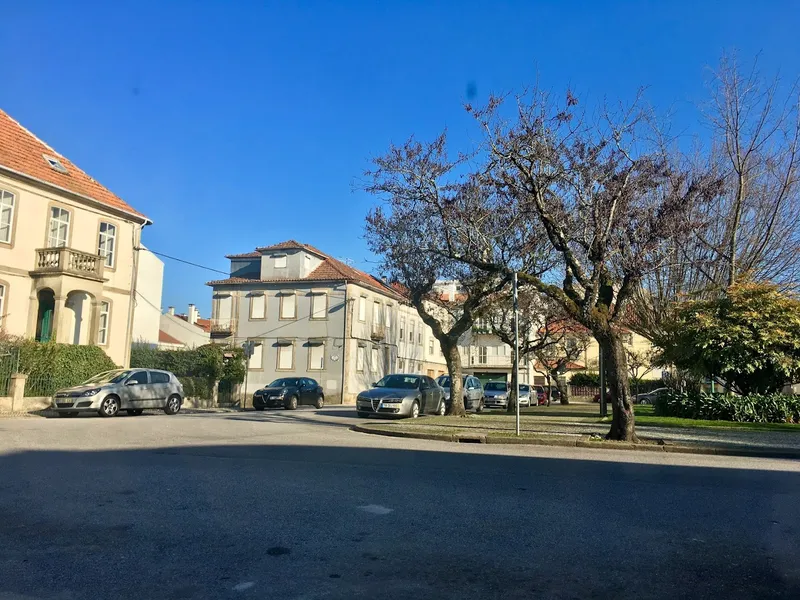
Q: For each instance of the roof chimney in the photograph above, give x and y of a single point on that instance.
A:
(171, 310)
(193, 315)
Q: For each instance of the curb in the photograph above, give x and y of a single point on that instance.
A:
(585, 442)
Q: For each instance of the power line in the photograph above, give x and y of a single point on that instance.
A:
(185, 261)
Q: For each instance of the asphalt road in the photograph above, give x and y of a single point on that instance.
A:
(284, 505)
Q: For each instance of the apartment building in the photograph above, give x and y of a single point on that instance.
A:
(68, 264)
(311, 315)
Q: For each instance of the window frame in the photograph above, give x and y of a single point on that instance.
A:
(316, 344)
(12, 221)
(311, 313)
(374, 358)
(402, 335)
(387, 316)
(113, 253)
(100, 327)
(252, 296)
(275, 258)
(361, 358)
(431, 347)
(283, 295)
(483, 355)
(280, 345)
(52, 206)
(362, 309)
(3, 303)
(260, 344)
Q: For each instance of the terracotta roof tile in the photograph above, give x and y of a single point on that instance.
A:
(330, 269)
(165, 338)
(21, 151)
(244, 255)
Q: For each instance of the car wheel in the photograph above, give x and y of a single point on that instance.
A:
(135, 412)
(320, 401)
(414, 410)
(480, 406)
(291, 404)
(442, 408)
(109, 407)
(173, 405)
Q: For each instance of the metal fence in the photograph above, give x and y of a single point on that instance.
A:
(9, 364)
(588, 391)
(43, 385)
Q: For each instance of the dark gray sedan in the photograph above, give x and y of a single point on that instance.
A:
(402, 396)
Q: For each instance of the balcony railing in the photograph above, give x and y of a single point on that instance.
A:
(490, 361)
(223, 326)
(70, 262)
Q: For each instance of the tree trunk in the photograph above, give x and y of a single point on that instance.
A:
(563, 388)
(511, 408)
(453, 359)
(616, 368)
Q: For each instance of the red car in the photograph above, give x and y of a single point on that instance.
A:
(541, 395)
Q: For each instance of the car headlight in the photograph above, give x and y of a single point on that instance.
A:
(447, 395)
(91, 392)
(501, 396)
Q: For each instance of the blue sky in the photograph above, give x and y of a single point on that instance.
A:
(237, 124)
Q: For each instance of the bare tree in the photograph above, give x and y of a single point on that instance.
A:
(750, 227)
(570, 344)
(602, 195)
(417, 183)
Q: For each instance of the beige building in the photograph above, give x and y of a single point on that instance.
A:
(68, 263)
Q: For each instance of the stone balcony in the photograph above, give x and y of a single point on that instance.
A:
(68, 261)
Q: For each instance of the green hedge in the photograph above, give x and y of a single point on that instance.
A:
(753, 408)
(587, 379)
(212, 362)
(63, 364)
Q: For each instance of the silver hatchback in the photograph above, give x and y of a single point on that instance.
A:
(132, 390)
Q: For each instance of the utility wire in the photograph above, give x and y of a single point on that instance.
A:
(185, 261)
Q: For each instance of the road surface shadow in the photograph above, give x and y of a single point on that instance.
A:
(289, 521)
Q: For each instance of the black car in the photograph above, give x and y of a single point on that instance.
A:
(289, 392)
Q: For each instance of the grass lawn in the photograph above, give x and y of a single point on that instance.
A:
(589, 413)
(645, 416)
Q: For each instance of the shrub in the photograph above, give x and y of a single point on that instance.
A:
(212, 361)
(586, 379)
(753, 408)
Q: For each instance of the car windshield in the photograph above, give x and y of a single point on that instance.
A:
(496, 386)
(444, 381)
(283, 383)
(108, 377)
(403, 382)
(524, 388)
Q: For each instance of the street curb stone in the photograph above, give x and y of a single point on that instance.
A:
(585, 442)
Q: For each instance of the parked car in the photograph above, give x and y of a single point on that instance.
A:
(132, 390)
(473, 391)
(402, 396)
(495, 394)
(650, 397)
(289, 392)
(524, 394)
(541, 395)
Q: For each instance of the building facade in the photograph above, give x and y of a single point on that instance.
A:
(147, 302)
(311, 315)
(68, 258)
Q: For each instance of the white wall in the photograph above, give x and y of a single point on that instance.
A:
(188, 334)
(147, 307)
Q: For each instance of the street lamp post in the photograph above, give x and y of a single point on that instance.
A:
(516, 349)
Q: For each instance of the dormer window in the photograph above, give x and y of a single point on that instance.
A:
(54, 163)
(280, 261)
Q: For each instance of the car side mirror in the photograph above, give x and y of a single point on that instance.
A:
(374, 384)
(131, 382)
